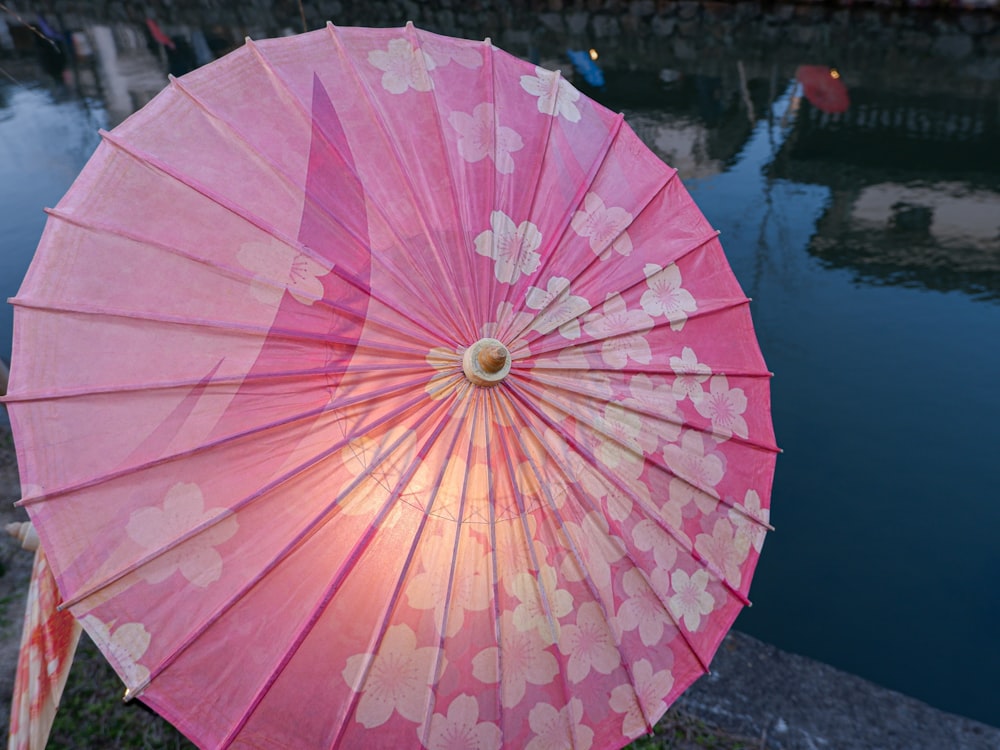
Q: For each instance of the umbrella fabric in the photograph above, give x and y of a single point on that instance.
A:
(380, 389)
(48, 642)
(823, 88)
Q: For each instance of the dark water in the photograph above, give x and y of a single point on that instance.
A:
(870, 243)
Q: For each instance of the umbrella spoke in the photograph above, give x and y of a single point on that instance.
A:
(494, 559)
(455, 305)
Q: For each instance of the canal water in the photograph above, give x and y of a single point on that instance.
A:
(867, 234)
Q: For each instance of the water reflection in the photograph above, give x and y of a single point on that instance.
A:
(844, 224)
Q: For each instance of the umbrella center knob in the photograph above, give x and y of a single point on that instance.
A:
(486, 362)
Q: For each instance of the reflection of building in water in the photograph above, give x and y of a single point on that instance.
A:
(680, 143)
(938, 226)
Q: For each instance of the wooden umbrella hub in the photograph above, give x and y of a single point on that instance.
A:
(486, 362)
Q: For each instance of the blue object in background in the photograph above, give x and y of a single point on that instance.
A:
(586, 67)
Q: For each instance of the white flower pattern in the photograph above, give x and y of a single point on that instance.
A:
(665, 295)
(278, 268)
(691, 601)
(603, 226)
(651, 688)
(404, 67)
(559, 729)
(481, 135)
(557, 100)
(724, 406)
(125, 644)
(557, 307)
(461, 729)
(622, 331)
(512, 247)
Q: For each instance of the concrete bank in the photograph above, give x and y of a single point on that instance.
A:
(793, 703)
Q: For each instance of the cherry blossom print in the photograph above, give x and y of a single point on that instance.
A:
(461, 729)
(278, 268)
(366, 458)
(526, 660)
(721, 549)
(697, 471)
(400, 678)
(622, 332)
(644, 608)
(690, 374)
(649, 536)
(124, 644)
(690, 601)
(651, 688)
(557, 307)
(665, 295)
(556, 96)
(748, 531)
(724, 406)
(511, 246)
(507, 319)
(403, 67)
(481, 135)
(444, 52)
(531, 612)
(618, 441)
(589, 644)
(559, 729)
(597, 548)
(656, 406)
(183, 509)
(617, 499)
(603, 226)
(470, 584)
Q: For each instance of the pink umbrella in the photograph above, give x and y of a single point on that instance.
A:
(823, 88)
(377, 388)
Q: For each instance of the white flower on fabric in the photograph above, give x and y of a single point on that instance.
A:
(557, 101)
(557, 308)
(597, 549)
(559, 730)
(665, 295)
(749, 532)
(657, 402)
(183, 509)
(619, 443)
(604, 226)
(525, 660)
(446, 51)
(448, 374)
(649, 536)
(530, 613)
(618, 500)
(404, 67)
(622, 332)
(589, 644)
(644, 608)
(126, 644)
(652, 690)
(471, 588)
(461, 728)
(722, 550)
(690, 374)
(278, 268)
(724, 406)
(512, 246)
(696, 470)
(691, 601)
(401, 678)
(481, 135)
(509, 321)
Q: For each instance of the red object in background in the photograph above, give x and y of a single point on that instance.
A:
(158, 34)
(823, 88)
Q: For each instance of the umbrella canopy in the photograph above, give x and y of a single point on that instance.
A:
(823, 88)
(377, 388)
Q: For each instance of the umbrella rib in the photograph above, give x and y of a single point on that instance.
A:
(274, 332)
(568, 475)
(240, 274)
(344, 570)
(654, 514)
(455, 304)
(459, 221)
(646, 459)
(303, 535)
(495, 566)
(577, 390)
(540, 335)
(161, 166)
(378, 395)
(397, 276)
(554, 510)
(454, 556)
(551, 618)
(234, 380)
